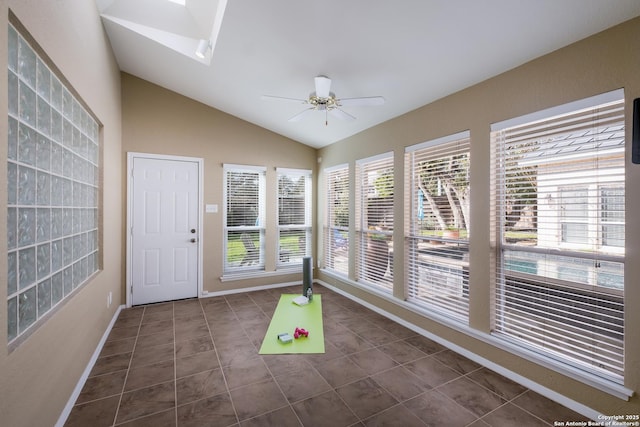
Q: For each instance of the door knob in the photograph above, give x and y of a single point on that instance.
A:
(193, 240)
(193, 231)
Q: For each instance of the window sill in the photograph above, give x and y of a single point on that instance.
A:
(231, 277)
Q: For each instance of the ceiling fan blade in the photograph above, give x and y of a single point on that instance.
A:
(323, 85)
(280, 98)
(301, 115)
(361, 102)
(340, 114)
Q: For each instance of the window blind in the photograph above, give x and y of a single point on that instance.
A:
(336, 230)
(374, 221)
(294, 215)
(437, 232)
(244, 217)
(559, 204)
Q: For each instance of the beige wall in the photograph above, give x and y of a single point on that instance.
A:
(37, 378)
(159, 121)
(602, 63)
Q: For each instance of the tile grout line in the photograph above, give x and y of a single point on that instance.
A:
(126, 377)
(175, 366)
(477, 417)
(273, 378)
(463, 371)
(289, 404)
(507, 400)
(145, 386)
(524, 409)
(332, 388)
(215, 347)
(335, 389)
(370, 376)
(257, 349)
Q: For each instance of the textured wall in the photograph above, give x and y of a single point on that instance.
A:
(159, 121)
(37, 377)
(598, 64)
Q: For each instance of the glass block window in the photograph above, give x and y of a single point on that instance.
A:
(53, 188)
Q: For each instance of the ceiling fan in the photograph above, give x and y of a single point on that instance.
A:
(325, 100)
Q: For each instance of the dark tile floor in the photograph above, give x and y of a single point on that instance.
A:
(196, 363)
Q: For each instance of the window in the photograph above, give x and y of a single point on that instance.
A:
(559, 200)
(294, 216)
(374, 221)
(53, 189)
(574, 215)
(612, 216)
(336, 231)
(437, 232)
(244, 218)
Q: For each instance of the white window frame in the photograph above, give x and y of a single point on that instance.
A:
(437, 261)
(373, 239)
(518, 293)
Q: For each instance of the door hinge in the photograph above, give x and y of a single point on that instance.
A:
(131, 290)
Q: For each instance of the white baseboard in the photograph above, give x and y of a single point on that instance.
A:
(531, 385)
(76, 392)
(209, 294)
(525, 382)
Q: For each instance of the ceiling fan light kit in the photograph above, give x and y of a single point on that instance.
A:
(325, 100)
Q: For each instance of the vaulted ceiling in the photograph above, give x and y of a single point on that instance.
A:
(410, 52)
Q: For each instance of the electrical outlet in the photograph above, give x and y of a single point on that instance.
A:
(109, 299)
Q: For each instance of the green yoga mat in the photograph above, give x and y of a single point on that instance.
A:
(289, 316)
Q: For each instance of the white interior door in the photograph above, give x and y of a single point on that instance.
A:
(164, 229)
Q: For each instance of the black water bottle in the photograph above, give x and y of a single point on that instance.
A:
(306, 275)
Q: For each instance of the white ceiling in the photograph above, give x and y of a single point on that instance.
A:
(411, 52)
